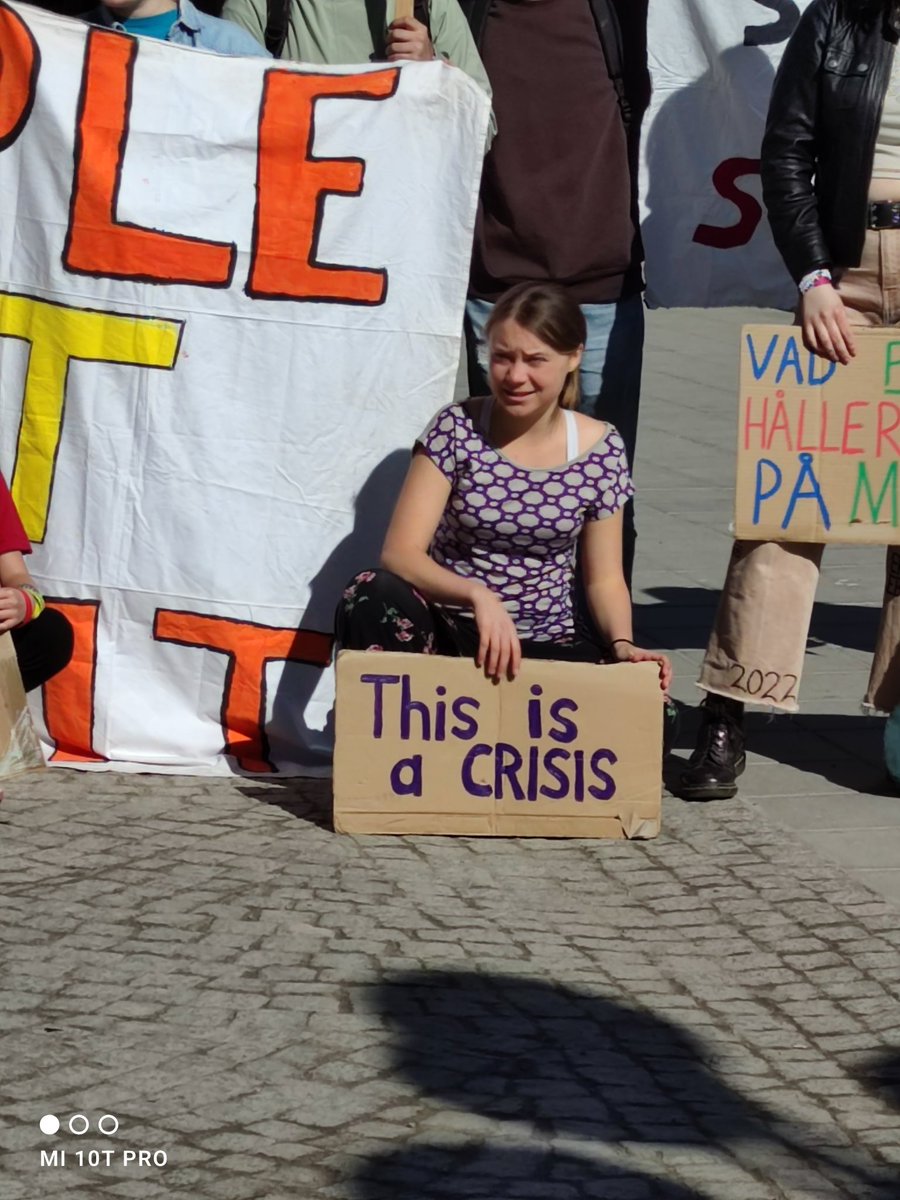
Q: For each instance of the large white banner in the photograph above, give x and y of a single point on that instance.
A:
(230, 296)
(706, 238)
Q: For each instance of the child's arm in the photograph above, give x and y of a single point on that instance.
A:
(607, 593)
(16, 606)
(420, 505)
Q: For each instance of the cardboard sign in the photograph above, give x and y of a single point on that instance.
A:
(427, 744)
(818, 443)
(20, 749)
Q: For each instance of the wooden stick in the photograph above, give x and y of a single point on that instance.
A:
(402, 9)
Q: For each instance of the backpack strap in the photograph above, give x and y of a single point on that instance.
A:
(475, 12)
(422, 14)
(278, 16)
(607, 22)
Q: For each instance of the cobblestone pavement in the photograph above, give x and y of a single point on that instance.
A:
(286, 1014)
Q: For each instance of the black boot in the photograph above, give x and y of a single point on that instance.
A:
(719, 758)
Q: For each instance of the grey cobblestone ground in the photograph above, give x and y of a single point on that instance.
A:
(290, 1014)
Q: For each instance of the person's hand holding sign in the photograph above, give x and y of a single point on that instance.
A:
(826, 330)
(407, 38)
(12, 608)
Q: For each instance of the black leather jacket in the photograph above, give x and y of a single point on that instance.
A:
(823, 122)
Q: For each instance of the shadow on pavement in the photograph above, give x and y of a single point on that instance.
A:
(846, 751)
(570, 1064)
(504, 1173)
(308, 800)
(681, 618)
(881, 1076)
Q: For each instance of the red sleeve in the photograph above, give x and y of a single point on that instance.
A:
(12, 535)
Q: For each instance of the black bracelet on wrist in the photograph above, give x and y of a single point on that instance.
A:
(616, 641)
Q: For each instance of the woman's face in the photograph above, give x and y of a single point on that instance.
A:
(526, 375)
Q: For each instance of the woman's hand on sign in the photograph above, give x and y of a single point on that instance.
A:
(628, 652)
(408, 41)
(826, 330)
(499, 649)
(12, 608)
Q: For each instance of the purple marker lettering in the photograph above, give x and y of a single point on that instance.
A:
(533, 768)
(562, 780)
(473, 788)
(468, 727)
(608, 789)
(579, 775)
(409, 706)
(411, 786)
(440, 716)
(377, 702)
(534, 712)
(568, 730)
(507, 761)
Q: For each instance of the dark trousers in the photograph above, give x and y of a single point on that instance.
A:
(43, 647)
(381, 611)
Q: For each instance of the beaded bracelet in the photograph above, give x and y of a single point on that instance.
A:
(816, 278)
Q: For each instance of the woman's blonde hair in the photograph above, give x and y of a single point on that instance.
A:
(549, 312)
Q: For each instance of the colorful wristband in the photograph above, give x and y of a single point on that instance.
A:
(34, 603)
(29, 607)
(813, 279)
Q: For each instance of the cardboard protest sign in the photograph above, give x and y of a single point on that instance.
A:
(429, 745)
(231, 295)
(20, 748)
(818, 443)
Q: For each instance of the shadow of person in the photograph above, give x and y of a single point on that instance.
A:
(292, 739)
(565, 1061)
(880, 1074)
(681, 618)
(486, 1172)
(705, 240)
(570, 1063)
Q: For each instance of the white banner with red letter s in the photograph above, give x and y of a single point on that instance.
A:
(706, 239)
(230, 296)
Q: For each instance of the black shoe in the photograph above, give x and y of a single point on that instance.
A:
(719, 758)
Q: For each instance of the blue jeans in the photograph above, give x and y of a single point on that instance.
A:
(610, 375)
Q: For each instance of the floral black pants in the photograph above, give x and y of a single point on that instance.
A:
(381, 611)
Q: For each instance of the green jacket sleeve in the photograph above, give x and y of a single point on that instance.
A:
(452, 39)
(250, 15)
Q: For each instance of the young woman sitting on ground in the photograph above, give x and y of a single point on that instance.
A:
(502, 493)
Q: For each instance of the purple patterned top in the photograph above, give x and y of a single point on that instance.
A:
(514, 528)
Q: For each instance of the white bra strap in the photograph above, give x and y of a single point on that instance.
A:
(571, 434)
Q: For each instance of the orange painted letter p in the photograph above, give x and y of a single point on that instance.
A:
(20, 61)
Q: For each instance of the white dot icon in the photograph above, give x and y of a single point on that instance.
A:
(110, 1126)
(49, 1124)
